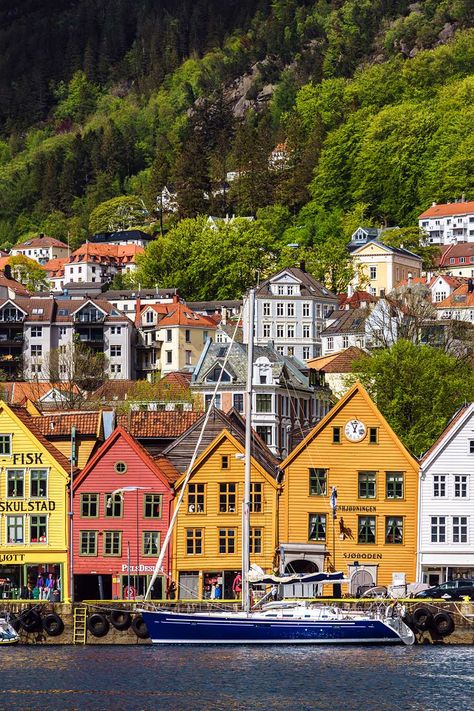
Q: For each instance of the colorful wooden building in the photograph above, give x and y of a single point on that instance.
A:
(33, 510)
(117, 537)
(208, 533)
(374, 535)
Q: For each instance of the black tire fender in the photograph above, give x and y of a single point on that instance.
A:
(422, 618)
(30, 620)
(139, 627)
(98, 625)
(53, 624)
(443, 624)
(408, 620)
(120, 619)
(15, 622)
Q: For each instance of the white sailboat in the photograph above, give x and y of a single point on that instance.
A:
(288, 622)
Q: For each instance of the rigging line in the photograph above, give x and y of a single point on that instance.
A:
(159, 562)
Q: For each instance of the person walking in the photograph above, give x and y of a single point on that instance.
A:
(237, 586)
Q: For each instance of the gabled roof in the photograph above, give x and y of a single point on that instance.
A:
(460, 298)
(16, 303)
(386, 248)
(349, 321)
(162, 473)
(448, 209)
(19, 391)
(454, 251)
(40, 242)
(13, 284)
(357, 388)
(310, 287)
(340, 362)
(159, 425)
(88, 302)
(30, 423)
(450, 431)
(237, 442)
(179, 314)
(356, 299)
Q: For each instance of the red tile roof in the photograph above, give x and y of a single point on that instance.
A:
(357, 298)
(40, 242)
(454, 251)
(61, 423)
(461, 298)
(447, 209)
(30, 422)
(340, 362)
(177, 379)
(181, 315)
(19, 391)
(167, 468)
(13, 284)
(152, 424)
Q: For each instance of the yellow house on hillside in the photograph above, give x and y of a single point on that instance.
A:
(33, 509)
(355, 450)
(207, 552)
(380, 268)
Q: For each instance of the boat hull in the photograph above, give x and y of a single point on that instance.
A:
(174, 628)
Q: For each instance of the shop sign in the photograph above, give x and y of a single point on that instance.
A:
(26, 506)
(11, 557)
(363, 509)
(28, 458)
(363, 556)
(138, 568)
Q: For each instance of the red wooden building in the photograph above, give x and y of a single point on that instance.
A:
(117, 539)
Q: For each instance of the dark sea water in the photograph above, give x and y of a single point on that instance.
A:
(224, 678)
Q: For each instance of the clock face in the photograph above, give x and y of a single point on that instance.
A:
(355, 430)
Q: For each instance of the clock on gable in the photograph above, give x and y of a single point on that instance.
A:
(355, 430)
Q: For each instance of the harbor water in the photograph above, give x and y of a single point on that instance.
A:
(425, 678)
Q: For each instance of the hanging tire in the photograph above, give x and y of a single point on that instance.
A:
(443, 624)
(139, 627)
(53, 624)
(120, 619)
(422, 619)
(31, 621)
(98, 625)
(15, 622)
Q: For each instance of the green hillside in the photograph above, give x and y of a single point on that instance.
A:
(372, 99)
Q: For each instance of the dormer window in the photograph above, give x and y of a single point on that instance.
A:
(214, 375)
(149, 317)
(10, 313)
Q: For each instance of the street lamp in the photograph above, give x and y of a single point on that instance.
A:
(120, 492)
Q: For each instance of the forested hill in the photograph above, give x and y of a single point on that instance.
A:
(372, 100)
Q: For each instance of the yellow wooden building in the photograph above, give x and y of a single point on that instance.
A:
(33, 509)
(374, 535)
(207, 550)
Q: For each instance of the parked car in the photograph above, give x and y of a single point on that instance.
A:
(452, 590)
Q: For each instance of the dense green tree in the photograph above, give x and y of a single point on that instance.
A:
(28, 272)
(417, 388)
(121, 213)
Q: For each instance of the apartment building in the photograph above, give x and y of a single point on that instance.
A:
(290, 310)
(98, 263)
(31, 328)
(448, 223)
(41, 249)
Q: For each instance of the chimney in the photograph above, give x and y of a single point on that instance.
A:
(433, 204)
(410, 279)
(41, 235)
(470, 286)
(303, 265)
(7, 270)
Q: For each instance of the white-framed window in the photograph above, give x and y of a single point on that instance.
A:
(318, 311)
(439, 486)
(290, 331)
(266, 330)
(460, 486)
(471, 446)
(438, 529)
(306, 309)
(36, 331)
(38, 483)
(280, 331)
(306, 353)
(306, 330)
(15, 529)
(267, 308)
(188, 357)
(150, 316)
(440, 296)
(15, 483)
(115, 368)
(290, 290)
(36, 351)
(36, 367)
(290, 309)
(115, 351)
(39, 529)
(116, 330)
(373, 272)
(280, 289)
(62, 331)
(345, 341)
(280, 309)
(330, 344)
(169, 357)
(460, 532)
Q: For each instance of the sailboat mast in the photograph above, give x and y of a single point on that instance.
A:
(248, 453)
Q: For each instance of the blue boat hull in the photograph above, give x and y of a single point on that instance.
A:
(174, 628)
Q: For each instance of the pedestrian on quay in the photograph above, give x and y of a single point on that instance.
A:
(237, 586)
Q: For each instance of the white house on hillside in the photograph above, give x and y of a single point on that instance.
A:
(448, 223)
(446, 495)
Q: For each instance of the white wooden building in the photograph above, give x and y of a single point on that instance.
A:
(446, 496)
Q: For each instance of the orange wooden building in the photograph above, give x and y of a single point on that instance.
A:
(374, 535)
